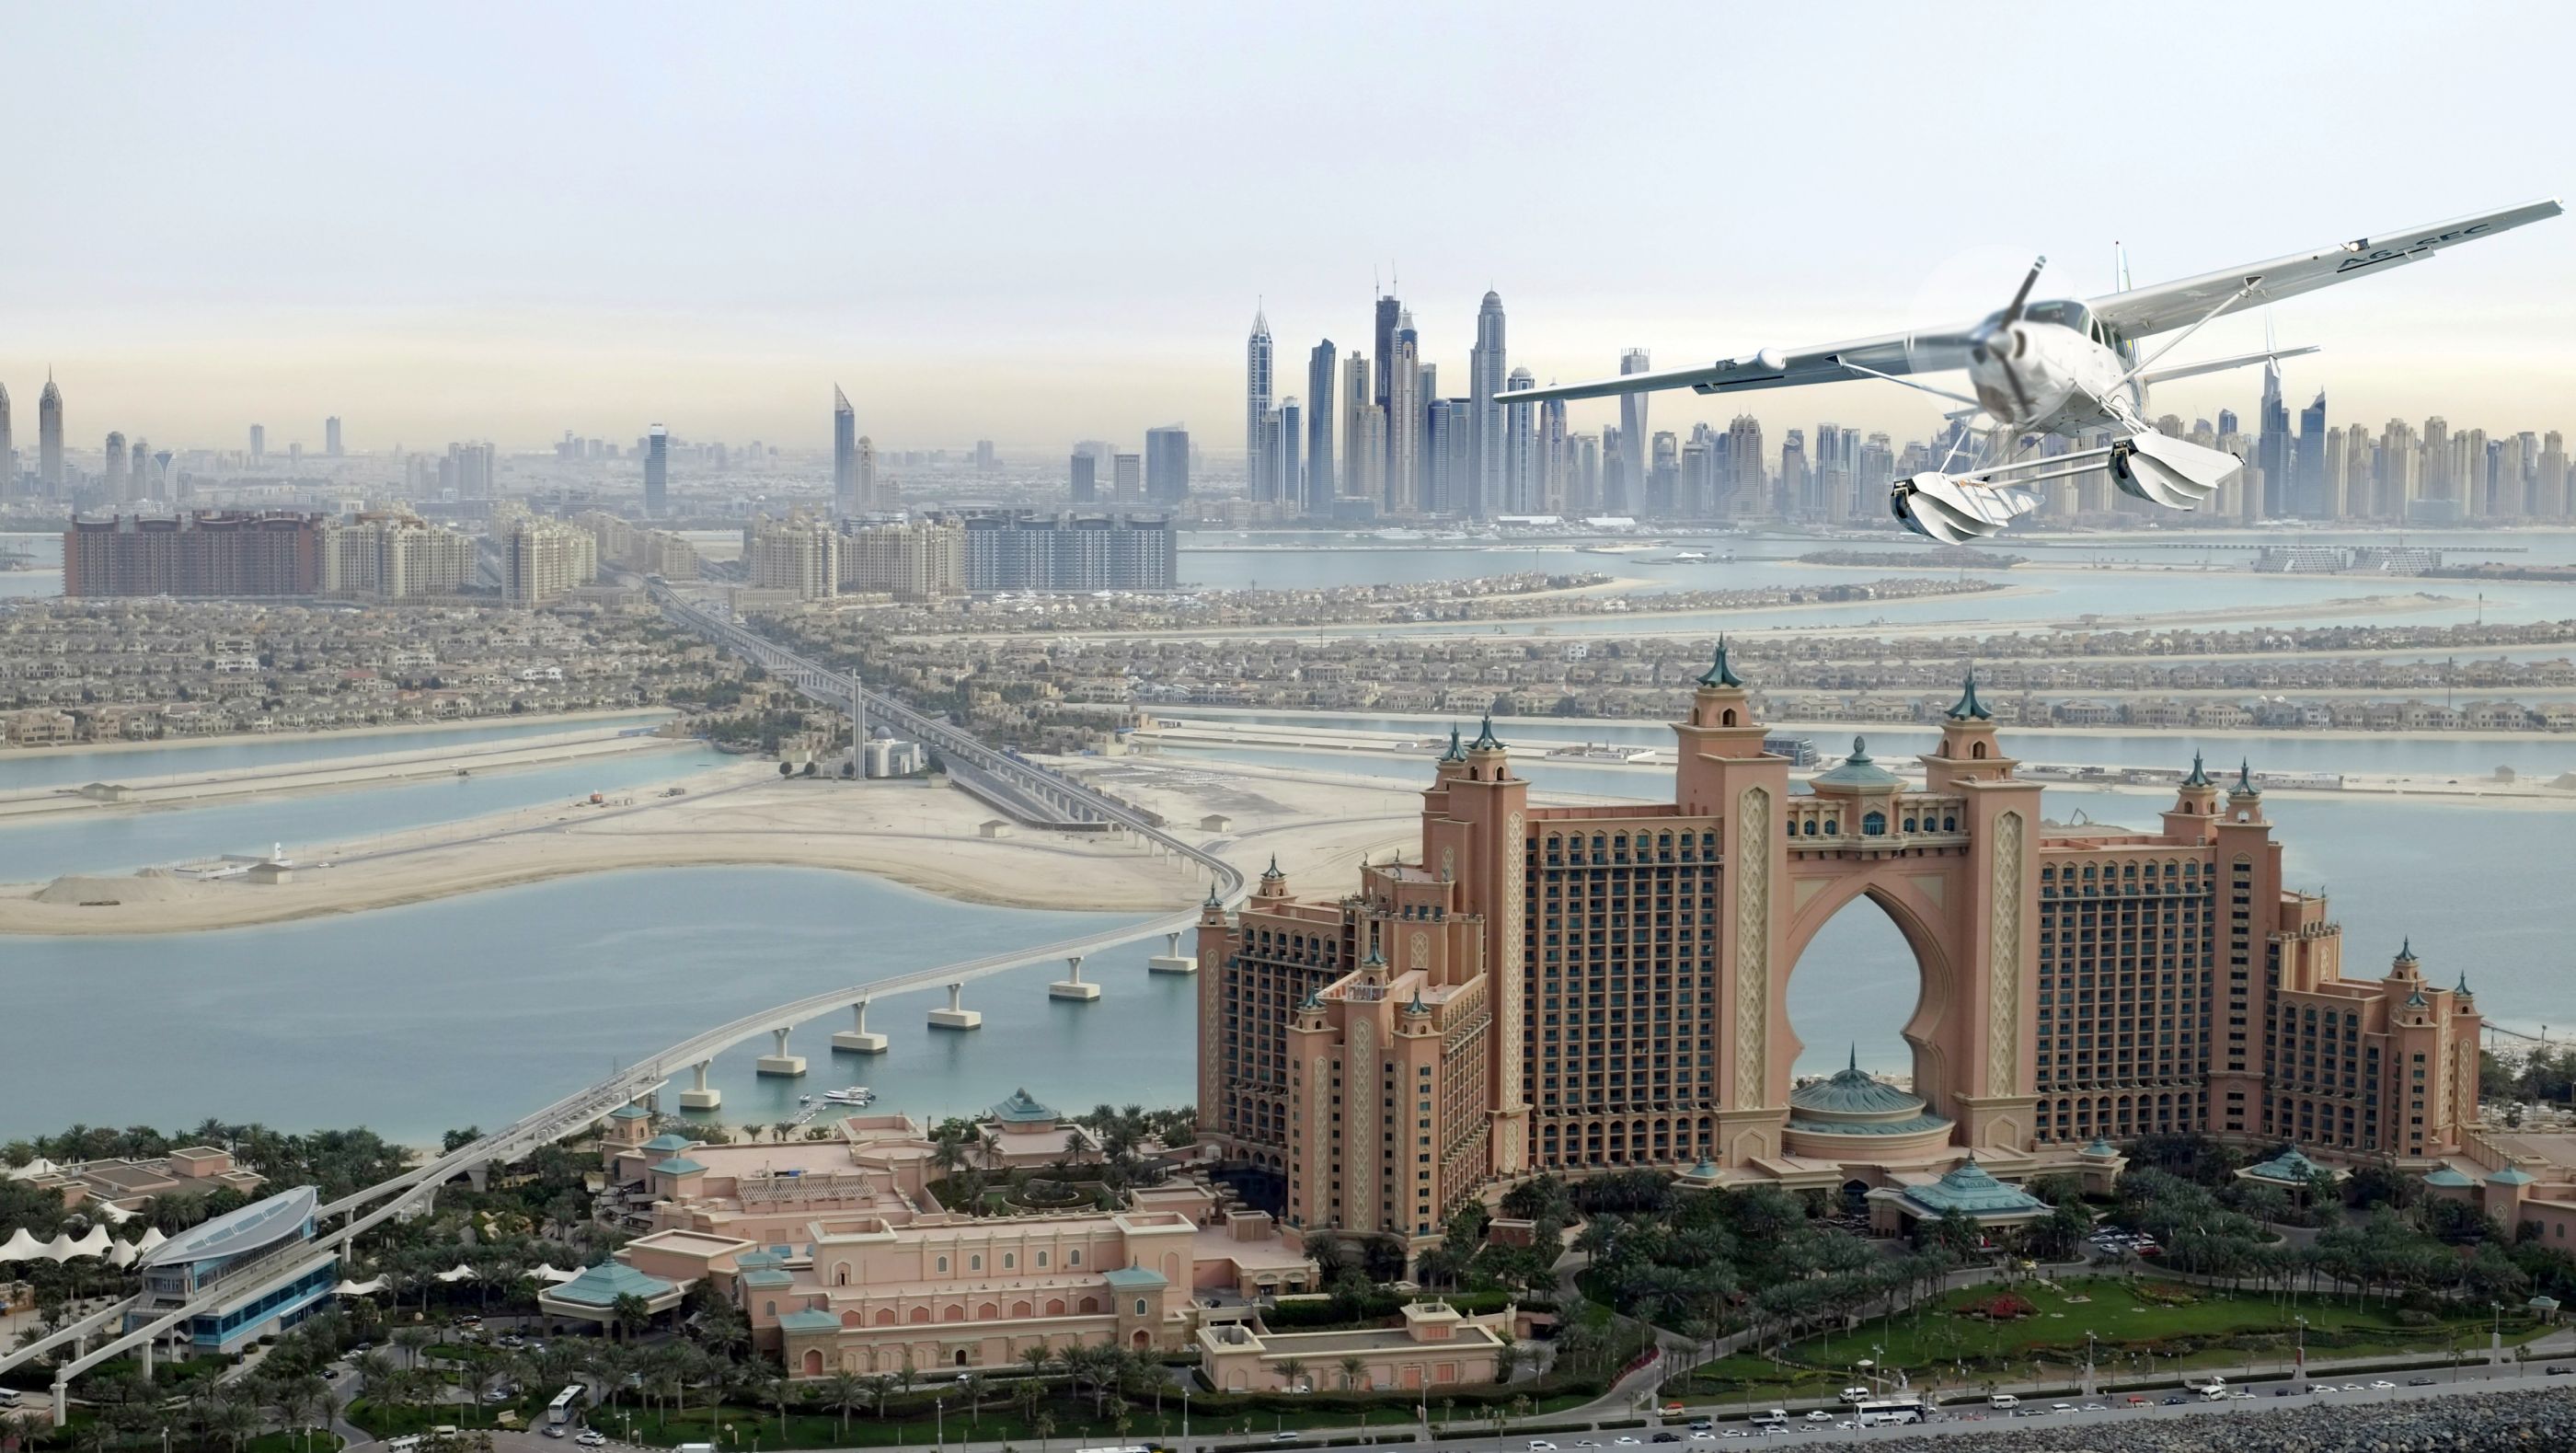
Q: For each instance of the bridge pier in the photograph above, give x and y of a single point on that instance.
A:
(778, 1062)
(699, 1096)
(143, 1357)
(479, 1175)
(956, 1015)
(858, 1038)
(1171, 960)
(62, 1401)
(1071, 985)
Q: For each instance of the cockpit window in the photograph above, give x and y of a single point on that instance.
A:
(2065, 312)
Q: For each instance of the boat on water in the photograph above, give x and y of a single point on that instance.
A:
(854, 1095)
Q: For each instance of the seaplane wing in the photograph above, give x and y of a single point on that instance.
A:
(1890, 355)
(2167, 306)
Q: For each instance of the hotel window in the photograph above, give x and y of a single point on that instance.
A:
(943, 1263)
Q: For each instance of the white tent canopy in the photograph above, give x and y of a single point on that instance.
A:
(34, 1168)
(121, 1254)
(21, 1247)
(151, 1238)
(369, 1287)
(553, 1274)
(93, 1244)
(457, 1273)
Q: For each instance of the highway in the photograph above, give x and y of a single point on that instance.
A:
(999, 772)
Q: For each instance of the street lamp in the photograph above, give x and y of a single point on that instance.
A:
(1186, 1390)
(2303, 1349)
(939, 1420)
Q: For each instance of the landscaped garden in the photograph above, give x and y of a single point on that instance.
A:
(2139, 1327)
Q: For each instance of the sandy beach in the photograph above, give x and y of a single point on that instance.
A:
(570, 719)
(744, 814)
(197, 789)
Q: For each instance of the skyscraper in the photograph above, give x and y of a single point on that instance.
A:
(1086, 487)
(1744, 475)
(2315, 500)
(1256, 405)
(138, 461)
(871, 495)
(1288, 455)
(8, 450)
(2273, 446)
(1520, 451)
(845, 455)
(1318, 499)
(258, 443)
(49, 435)
(1405, 418)
(1632, 439)
(1363, 435)
(331, 436)
(1167, 464)
(1486, 449)
(657, 470)
(1126, 476)
(1388, 312)
(116, 480)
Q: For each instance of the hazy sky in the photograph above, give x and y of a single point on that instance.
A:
(1039, 223)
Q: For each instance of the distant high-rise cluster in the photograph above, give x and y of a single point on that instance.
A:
(1375, 438)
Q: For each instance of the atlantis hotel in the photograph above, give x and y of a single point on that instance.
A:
(1579, 989)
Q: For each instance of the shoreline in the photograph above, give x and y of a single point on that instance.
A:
(737, 815)
(222, 739)
(307, 777)
(1431, 720)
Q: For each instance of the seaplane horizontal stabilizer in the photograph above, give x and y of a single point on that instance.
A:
(2175, 473)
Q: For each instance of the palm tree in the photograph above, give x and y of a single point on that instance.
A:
(1044, 1426)
(1037, 1358)
(630, 1315)
(411, 1340)
(842, 1391)
(1353, 1368)
(1292, 1370)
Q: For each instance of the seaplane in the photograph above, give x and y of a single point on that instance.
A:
(2064, 367)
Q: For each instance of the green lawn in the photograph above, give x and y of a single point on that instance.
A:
(2218, 1329)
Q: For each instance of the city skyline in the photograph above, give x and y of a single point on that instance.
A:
(572, 318)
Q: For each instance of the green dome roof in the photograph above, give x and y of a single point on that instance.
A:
(2100, 1149)
(1022, 1109)
(1970, 1191)
(2510, 1176)
(2448, 1178)
(1854, 1091)
(1857, 770)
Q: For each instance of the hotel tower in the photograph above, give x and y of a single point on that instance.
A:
(1579, 989)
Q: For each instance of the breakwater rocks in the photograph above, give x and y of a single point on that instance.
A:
(2464, 1424)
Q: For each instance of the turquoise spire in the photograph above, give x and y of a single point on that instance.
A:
(1719, 673)
(2245, 779)
(1485, 739)
(2406, 950)
(1969, 708)
(2463, 989)
(1456, 753)
(2199, 775)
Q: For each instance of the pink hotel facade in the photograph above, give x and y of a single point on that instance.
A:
(1588, 988)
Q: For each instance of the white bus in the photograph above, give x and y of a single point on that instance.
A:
(1882, 1412)
(566, 1403)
